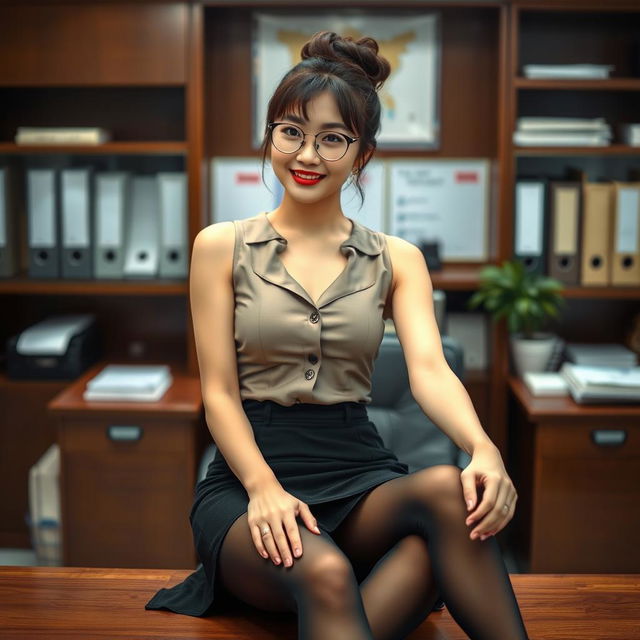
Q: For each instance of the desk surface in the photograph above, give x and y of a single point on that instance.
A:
(39, 603)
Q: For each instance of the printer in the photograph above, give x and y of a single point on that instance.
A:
(58, 348)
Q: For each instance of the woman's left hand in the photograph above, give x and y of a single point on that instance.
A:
(487, 470)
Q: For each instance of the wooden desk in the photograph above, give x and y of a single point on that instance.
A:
(575, 468)
(38, 603)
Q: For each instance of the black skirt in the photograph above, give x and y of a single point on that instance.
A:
(328, 456)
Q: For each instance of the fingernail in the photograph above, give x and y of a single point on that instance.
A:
(316, 528)
(469, 505)
(296, 552)
(287, 562)
(277, 560)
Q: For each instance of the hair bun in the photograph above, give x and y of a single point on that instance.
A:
(361, 53)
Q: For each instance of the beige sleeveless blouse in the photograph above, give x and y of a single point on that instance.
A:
(288, 348)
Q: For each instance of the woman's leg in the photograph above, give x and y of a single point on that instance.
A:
(470, 574)
(320, 586)
(404, 570)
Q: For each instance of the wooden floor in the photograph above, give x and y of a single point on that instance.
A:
(38, 603)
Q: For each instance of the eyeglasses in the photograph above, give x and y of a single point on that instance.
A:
(287, 138)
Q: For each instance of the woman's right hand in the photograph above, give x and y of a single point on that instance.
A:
(271, 506)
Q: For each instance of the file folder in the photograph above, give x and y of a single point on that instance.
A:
(142, 237)
(43, 223)
(172, 191)
(564, 231)
(112, 199)
(596, 234)
(76, 202)
(625, 250)
(529, 244)
(9, 256)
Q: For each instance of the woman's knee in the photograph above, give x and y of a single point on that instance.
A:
(329, 578)
(439, 486)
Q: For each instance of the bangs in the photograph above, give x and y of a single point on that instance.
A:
(297, 92)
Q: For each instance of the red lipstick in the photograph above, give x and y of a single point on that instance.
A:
(306, 178)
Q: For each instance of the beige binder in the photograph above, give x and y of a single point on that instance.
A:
(564, 232)
(625, 236)
(597, 212)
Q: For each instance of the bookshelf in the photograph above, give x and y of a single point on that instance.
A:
(172, 80)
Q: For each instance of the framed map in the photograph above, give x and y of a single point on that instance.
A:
(409, 41)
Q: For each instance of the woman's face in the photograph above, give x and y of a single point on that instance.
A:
(291, 168)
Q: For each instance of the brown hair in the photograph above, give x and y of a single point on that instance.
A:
(352, 71)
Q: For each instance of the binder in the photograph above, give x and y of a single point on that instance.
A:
(142, 237)
(76, 202)
(9, 257)
(564, 231)
(43, 223)
(529, 243)
(172, 192)
(112, 198)
(625, 239)
(597, 212)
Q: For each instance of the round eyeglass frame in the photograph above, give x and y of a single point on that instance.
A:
(350, 140)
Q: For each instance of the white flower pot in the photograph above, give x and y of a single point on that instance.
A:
(531, 354)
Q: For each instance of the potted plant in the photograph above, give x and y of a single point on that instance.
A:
(527, 301)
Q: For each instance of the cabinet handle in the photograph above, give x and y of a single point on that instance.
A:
(608, 437)
(124, 433)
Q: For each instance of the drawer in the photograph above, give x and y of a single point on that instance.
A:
(595, 438)
(585, 495)
(126, 434)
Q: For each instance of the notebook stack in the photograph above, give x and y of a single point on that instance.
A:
(601, 373)
(559, 132)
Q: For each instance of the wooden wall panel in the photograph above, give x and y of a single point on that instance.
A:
(93, 44)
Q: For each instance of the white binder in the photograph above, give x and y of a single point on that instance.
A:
(76, 202)
(142, 237)
(529, 245)
(172, 191)
(8, 225)
(43, 223)
(112, 198)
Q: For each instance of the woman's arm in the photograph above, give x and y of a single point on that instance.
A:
(435, 387)
(212, 311)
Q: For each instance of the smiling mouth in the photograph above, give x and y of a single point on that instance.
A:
(307, 175)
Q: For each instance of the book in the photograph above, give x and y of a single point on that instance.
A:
(568, 71)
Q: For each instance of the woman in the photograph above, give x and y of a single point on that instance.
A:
(304, 509)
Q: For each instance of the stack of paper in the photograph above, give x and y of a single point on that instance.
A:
(607, 354)
(62, 135)
(546, 383)
(575, 132)
(602, 384)
(567, 71)
(129, 383)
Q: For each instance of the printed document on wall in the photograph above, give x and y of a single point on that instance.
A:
(238, 189)
(371, 214)
(443, 201)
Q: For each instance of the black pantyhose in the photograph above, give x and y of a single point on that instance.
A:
(378, 574)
